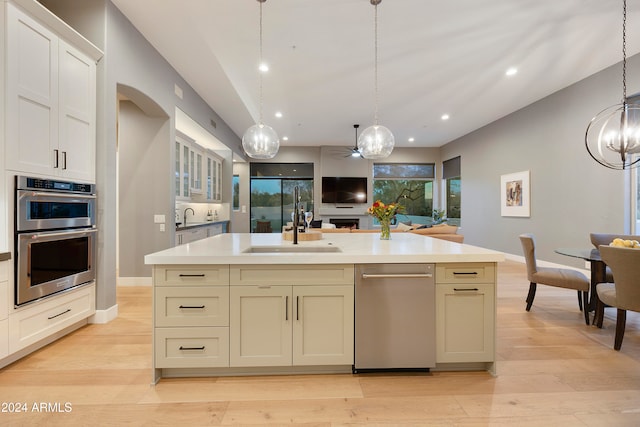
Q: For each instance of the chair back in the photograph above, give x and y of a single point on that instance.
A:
(625, 266)
(529, 249)
(598, 239)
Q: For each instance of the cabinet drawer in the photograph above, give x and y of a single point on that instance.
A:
(31, 324)
(192, 306)
(191, 347)
(292, 275)
(192, 275)
(465, 273)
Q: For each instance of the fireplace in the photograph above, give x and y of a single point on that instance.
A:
(345, 222)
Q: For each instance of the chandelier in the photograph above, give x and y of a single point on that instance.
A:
(375, 142)
(613, 135)
(260, 141)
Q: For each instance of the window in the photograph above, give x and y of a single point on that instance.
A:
(451, 176)
(236, 192)
(272, 186)
(411, 185)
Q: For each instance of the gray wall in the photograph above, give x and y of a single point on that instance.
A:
(141, 148)
(571, 195)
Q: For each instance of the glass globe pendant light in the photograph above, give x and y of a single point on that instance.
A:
(376, 142)
(613, 135)
(260, 141)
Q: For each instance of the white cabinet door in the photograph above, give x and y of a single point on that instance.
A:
(32, 95)
(183, 169)
(465, 323)
(51, 95)
(195, 163)
(323, 325)
(213, 178)
(77, 89)
(260, 326)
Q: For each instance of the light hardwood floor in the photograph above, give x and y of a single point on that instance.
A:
(553, 370)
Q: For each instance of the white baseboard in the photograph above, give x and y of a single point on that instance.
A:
(135, 281)
(104, 316)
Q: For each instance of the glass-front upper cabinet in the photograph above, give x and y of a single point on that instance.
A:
(213, 178)
(183, 166)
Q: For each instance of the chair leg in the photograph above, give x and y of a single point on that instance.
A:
(598, 317)
(585, 303)
(531, 295)
(621, 321)
(580, 300)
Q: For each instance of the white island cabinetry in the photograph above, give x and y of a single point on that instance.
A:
(292, 316)
(291, 307)
(191, 316)
(465, 312)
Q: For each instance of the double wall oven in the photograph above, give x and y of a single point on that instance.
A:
(55, 237)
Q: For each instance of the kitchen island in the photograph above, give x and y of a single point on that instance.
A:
(256, 303)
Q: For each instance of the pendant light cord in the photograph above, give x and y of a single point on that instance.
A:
(375, 66)
(260, 64)
(624, 52)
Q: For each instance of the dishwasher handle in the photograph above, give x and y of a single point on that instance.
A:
(398, 276)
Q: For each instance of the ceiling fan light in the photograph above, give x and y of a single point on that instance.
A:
(260, 142)
(376, 142)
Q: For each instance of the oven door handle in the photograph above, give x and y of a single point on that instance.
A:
(69, 233)
(67, 196)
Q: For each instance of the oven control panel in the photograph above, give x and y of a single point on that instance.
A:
(28, 183)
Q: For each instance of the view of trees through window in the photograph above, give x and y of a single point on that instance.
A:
(411, 185)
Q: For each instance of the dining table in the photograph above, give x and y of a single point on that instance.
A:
(597, 267)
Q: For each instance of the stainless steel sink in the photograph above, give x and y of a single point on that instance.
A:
(291, 249)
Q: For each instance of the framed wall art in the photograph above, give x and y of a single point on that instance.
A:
(515, 194)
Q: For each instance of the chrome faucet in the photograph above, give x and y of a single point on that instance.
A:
(184, 215)
(296, 219)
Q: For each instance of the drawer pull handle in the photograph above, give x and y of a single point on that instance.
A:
(465, 289)
(59, 314)
(398, 276)
(465, 273)
(192, 275)
(286, 308)
(297, 308)
(192, 348)
(192, 306)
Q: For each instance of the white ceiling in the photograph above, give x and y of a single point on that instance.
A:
(435, 57)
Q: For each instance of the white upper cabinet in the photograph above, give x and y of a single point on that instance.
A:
(213, 178)
(51, 99)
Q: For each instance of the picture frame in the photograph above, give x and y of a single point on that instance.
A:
(515, 194)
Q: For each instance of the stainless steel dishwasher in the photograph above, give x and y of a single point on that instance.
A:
(394, 317)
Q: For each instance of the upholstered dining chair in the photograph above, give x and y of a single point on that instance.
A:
(559, 277)
(599, 239)
(624, 293)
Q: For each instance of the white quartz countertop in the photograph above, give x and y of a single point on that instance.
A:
(354, 248)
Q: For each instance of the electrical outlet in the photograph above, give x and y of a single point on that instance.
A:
(162, 227)
(159, 219)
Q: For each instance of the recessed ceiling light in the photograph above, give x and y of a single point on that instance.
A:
(445, 117)
(278, 114)
(285, 138)
(264, 67)
(411, 139)
(511, 71)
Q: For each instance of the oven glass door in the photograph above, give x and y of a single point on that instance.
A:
(52, 262)
(41, 210)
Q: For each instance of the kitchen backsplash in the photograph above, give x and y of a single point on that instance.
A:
(219, 212)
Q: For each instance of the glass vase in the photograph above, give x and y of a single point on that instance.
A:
(385, 230)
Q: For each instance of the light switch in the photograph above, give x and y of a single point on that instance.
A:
(159, 219)
(244, 208)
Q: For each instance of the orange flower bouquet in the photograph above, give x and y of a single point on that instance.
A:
(384, 213)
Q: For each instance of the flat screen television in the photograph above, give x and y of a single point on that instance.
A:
(344, 189)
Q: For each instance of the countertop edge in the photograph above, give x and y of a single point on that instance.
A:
(5, 256)
(201, 224)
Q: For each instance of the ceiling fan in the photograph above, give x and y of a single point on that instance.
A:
(354, 152)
